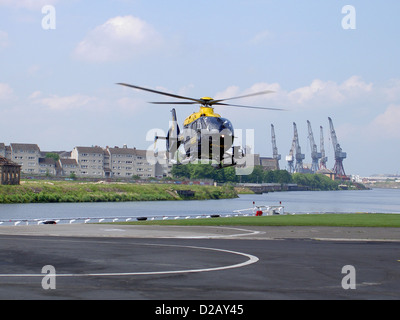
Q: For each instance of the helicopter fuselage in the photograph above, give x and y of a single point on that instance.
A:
(206, 135)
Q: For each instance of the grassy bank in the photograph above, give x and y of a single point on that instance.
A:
(331, 220)
(31, 191)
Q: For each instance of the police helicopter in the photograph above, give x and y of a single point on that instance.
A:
(206, 136)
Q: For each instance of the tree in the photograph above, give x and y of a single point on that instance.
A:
(52, 155)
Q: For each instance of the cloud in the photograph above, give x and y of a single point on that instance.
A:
(330, 91)
(318, 94)
(262, 37)
(6, 92)
(317, 89)
(387, 124)
(55, 102)
(119, 38)
(391, 90)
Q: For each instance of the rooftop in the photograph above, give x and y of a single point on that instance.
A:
(6, 162)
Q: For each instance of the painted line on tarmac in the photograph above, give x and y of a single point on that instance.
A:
(355, 239)
(247, 233)
(251, 259)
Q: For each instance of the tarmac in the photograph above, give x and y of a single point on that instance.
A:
(206, 232)
(155, 263)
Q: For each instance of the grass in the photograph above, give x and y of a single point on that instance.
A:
(32, 191)
(331, 220)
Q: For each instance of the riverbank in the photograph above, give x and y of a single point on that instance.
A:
(32, 191)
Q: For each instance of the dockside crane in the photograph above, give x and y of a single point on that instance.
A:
(315, 155)
(295, 153)
(275, 153)
(324, 159)
(338, 169)
(299, 156)
(290, 156)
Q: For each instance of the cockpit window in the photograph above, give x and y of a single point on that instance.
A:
(217, 123)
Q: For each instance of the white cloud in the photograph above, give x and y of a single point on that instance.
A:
(119, 38)
(261, 37)
(391, 90)
(129, 106)
(35, 95)
(234, 91)
(317, 89)
(318, 94)
(330, 91)
(6, 92)
(387, 124)
(64, 103)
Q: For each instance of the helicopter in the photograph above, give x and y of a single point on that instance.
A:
(206, 136)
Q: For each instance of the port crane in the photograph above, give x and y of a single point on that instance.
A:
(315, 155)
(275, 153)
(338, 169)
(324, 159)
(295, 153)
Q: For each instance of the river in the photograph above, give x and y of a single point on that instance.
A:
(298, 202)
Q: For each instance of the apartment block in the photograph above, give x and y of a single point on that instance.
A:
(68, 167)
(26, 155)
(93, 162)
(129, 162)
(122, 162)
(90, 161)
(47, 166)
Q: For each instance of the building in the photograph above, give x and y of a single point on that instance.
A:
(269, 163)
(10, 172)
(2, 150)
(47, 166)
(90, 161)
(130, 162)
(68, 168)
(328, 173)
(122, 162)
(26, 155)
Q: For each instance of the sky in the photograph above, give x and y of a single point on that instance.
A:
(60, 61)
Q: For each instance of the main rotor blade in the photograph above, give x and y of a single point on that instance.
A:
(159, 92)
(251, 107)
(245, 96)
(172, 102)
